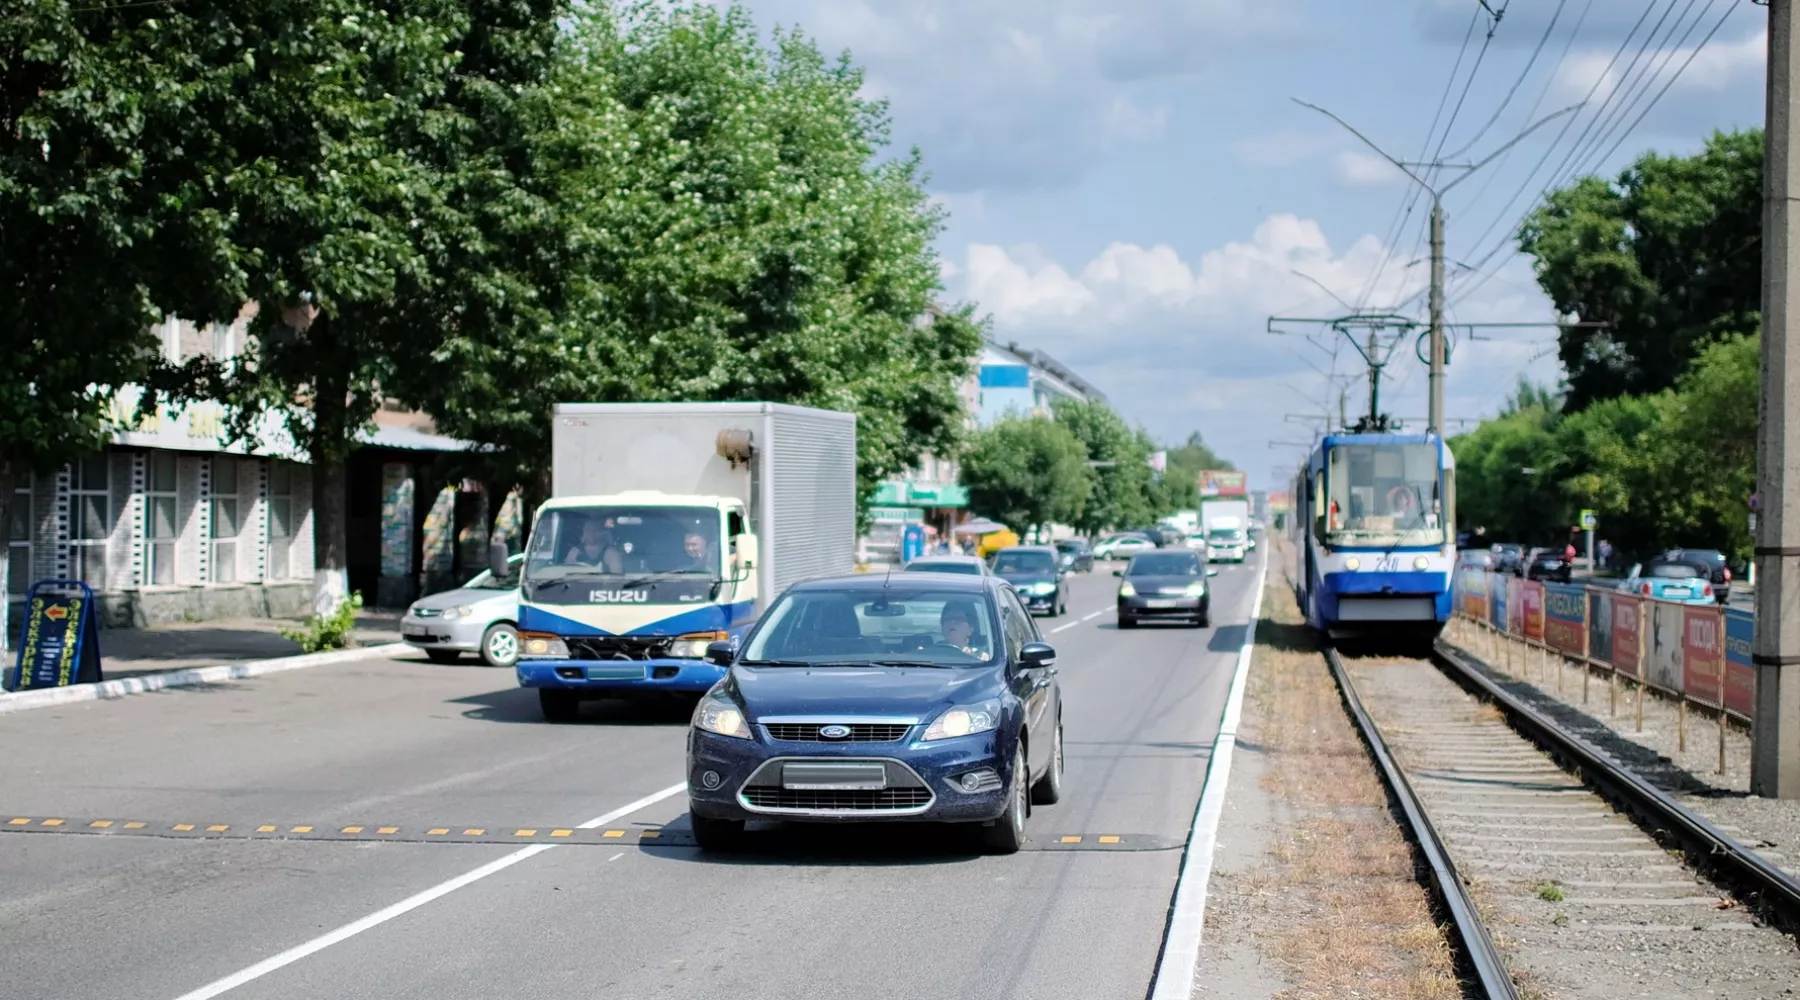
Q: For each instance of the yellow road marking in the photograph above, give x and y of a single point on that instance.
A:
(560, 833)
(525, 833)
(218, 828)
(649, 834)
(53, 822)
(1109, 840)
(613, 834)
(20, 821)
(301, 829)
(135, 825)
(100, 824)
(476, 831)
(353, 829)
(265, 829)
(1071, 840)
(438, 832)
(388, 829)
(183, 827)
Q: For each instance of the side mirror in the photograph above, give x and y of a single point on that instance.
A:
(1118, 572)
(1211, 572)
(720, 654)
(1037, 654)
(498, 559)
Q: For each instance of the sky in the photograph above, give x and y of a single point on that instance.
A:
(1132, 187)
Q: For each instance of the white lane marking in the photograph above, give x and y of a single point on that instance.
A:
(1063, 628)
(615, 857)
(1187, 915)
(409, 904)
(1095, 615)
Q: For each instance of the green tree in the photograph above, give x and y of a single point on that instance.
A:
(1027, 472)
(1666, 254)
(1122, 494)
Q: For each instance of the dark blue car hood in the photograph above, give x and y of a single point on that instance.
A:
(1026, 579)
(909, 691)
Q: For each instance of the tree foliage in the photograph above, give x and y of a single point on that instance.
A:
(1124, 491)
(1028, 472)
(1667, 253)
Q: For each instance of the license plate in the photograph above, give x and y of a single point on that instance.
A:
(1678, 591)
(413, 630)
(618, 672)
(1159, 604)
(833, 777)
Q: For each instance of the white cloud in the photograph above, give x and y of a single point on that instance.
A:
(1282, 148)
(1721, 65)
(1366, 170)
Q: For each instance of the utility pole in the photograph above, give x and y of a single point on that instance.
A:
(1372, 352)
(1775, 727)
(1437, 238)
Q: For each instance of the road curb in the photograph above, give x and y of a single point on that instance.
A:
(20, 701)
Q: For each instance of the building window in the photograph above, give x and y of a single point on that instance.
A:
(281, 517)
(90, 519)
(224, 520)
(18, 541)
(162, 520)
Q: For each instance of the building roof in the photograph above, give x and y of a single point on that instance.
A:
(1056, 370)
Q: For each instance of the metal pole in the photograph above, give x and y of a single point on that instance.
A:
(1775, 731)
(1374, 383)
(1435, 421)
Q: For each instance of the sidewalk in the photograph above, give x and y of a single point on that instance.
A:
(135, 652)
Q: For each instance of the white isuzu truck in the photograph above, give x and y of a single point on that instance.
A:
(1226, 522)
(671, 526)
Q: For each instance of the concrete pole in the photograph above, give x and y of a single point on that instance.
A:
(1435, 419)
(1775, 746)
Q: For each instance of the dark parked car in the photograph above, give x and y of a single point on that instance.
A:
(1036, 571)
(928, 698)
(1076, 554)
(1550, 565)
(1165, 585)
(1717, 568)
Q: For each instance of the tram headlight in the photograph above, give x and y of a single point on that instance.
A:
(1421, 563)
(1353, 563)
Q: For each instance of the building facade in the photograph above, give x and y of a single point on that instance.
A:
(1021, 382)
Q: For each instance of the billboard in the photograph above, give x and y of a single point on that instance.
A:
(1222, 483)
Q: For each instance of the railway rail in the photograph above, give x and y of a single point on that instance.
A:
(1560, 872)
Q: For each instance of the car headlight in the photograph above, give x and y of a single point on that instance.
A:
(692, 646)
(717, 713)
(539, 644)
(1127, 590)
(1043, 588)
(1353, 563)
(965, 720)
(1421, 563)
(1196, 589)
(460, 611)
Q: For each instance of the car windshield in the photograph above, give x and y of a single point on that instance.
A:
(1672, 571)
(1165, 564)
(1069, 546)
(593, 542)
(1384, 495)
(1711, 557)
(1024, 562)
(486, 580)
(969, 569)
(897, 626)
(1224, 535)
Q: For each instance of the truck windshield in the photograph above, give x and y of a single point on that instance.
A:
(590, 543)
(1225, 535)
(1384, 495)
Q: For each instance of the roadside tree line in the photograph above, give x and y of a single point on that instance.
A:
(474, 207)
(1655, 426)
(1080, 465)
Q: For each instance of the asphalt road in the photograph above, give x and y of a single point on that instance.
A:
(314, 801)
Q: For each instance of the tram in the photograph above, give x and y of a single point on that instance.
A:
(1374, 536)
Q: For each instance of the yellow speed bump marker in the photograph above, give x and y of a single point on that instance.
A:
(265, 829)
(100, 824)
(18, 821)
(352, 829)
(1071, 840)
(613, 834)
(561, 833)
(218, 828)
(53, 822)
(388, 829)
(136, 825)
(301, 829)
(524, 833)
(437, 831)
(476, 831)
(649, 834)
(1109, 840)
(183, 827)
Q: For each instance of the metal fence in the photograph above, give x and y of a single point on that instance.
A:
(1697, 655)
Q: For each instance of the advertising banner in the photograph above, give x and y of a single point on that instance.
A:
(1497, 585)
(1627, 633)
(1515, 606)
(1600, 626)
(1223, 483)
(59, 642)
(1565, 617)
(1703, 654)
(1531, 610)
(1475, 593)
(1740, 676)
(1662, 658)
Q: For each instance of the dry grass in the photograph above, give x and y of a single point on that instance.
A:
(1338, 903)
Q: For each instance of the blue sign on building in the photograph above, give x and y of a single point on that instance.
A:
(912, 542)
(59, 643)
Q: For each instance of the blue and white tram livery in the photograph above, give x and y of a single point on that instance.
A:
(1376, 536)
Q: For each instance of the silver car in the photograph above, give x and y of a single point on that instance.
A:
(481, 616)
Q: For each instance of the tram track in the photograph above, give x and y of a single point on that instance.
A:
(1557, 870)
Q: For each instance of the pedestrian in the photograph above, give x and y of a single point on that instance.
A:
(1605, 553)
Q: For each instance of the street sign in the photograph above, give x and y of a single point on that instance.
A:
(1589, 520)
(59, 643)
(1756, 501)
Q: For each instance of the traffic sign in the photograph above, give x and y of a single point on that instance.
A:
(59, 643)
(1589, 520)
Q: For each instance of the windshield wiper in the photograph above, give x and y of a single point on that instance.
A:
(778, 663)
(908, 663)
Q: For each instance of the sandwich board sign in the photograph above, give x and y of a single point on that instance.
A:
(59, 641)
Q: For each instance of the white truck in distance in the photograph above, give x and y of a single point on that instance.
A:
(1226, 523)
(670, 526)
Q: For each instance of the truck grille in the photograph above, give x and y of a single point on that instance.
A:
(618, 647)
(877, 800)
(860, 732)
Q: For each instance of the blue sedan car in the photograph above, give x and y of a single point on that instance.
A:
(927, 698)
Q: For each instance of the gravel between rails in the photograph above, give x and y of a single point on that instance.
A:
(1583, 902)
(1771, 827)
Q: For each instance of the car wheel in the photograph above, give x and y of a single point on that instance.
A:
(1048, 790)
(717, 834)
(1204, 618)
(443, 655)
(500, 645)
(1007, 834)
(1126, 621)
(559, 706)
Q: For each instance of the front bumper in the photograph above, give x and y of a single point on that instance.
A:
(463, 635)
(920, 785)
(1151, 605)
(1038, 602)
(601, 677)
(1224, 555)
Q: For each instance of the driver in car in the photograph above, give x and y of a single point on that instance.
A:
(958, 624)
(596, 549)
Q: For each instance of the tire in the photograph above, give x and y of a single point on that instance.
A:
(1048, 790)
(1126, 621)
(717, 835)
(559, 706)
(1204, 618)
(1007, 834)
(443, 655)
(506, 638)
